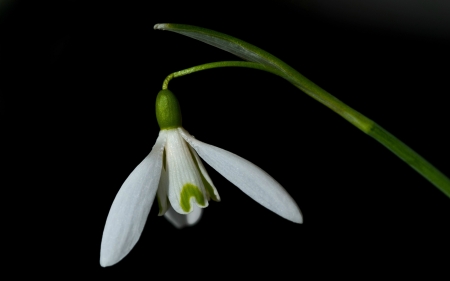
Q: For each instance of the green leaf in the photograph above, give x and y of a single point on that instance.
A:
(272, 64)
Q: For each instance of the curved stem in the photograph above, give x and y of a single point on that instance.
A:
(218, 65)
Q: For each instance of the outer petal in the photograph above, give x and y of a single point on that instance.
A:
(130, 208)
(180, 221)
(251, 179)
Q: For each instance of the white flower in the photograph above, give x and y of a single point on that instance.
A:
(175, 175)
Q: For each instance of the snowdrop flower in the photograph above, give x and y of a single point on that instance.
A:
(175, 175)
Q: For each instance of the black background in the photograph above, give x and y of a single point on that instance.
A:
(77, 107)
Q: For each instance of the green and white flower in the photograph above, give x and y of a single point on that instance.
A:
(175, 175)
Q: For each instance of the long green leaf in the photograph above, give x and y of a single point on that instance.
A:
(252, 53)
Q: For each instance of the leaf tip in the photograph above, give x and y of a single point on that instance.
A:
(160, 26)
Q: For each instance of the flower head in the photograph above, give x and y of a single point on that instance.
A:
(175, 175)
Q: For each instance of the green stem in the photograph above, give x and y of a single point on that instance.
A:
(400, 149)
(218, 65)
(268, 62)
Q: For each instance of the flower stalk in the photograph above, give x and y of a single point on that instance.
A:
(219, 65)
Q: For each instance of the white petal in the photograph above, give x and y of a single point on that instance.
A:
(130, 208)
(251, 179)
(180, 221)
(185, 183)
(211, 191)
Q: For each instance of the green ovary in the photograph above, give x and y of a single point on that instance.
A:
(189, 190)
(168, 111)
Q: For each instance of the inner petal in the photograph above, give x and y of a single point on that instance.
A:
(161, 194)
(185, 183)
(211, 191)
(188, 193)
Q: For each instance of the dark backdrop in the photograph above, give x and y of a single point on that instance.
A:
(77, 107)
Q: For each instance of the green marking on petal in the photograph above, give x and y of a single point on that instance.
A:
(209, 189)
(189, 190)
